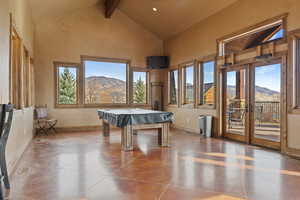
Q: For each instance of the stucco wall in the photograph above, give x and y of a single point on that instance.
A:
(4, 53)
(86, 32)
(200, 40)
(22, 126)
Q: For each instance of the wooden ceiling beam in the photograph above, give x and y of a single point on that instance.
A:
(110, 7)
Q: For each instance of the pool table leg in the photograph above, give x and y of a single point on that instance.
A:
(164, 136)
(105, 128)
(127, 138)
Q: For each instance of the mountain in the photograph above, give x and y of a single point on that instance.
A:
(101, 89)
(261, 93)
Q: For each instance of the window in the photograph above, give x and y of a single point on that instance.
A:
(173, 87)
(100, 82)
(296, 70)
(140, 87)
(265, 32)
(277, 35)
(105, 81)
(188, 84)
(207, 83)
(26, 77)
(31, 83)
(66, 83)
(15, 70)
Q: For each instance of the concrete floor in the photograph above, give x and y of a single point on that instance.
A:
(88, 166)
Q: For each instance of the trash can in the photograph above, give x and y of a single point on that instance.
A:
(205, 125)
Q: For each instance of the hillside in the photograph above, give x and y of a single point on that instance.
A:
(101, 89)
(262, 94)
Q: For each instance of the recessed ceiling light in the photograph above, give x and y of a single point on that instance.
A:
(154, 9)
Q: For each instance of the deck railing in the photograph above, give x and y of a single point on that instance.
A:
(267, 111)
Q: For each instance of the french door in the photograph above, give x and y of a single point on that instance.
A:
(236, 103)
(252, 103)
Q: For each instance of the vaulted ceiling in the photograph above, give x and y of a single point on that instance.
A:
(172, 17)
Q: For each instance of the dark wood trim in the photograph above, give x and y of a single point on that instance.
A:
(293, 152)
(112, 60)
(169, 104)
(256, 26)
(283, 116)
(148, 78)
(182, 68)
(104, 59)
(282, 17)
(245, 137)
(199, 82)
(293, 74)
(77, 66)
(110, 7)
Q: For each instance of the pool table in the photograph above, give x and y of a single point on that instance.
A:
(133, 119)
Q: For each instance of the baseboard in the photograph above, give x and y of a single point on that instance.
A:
(78, 128)
(292, 152)
(189, 130)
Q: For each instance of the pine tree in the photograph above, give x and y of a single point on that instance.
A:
(67, 87)
(140, 92)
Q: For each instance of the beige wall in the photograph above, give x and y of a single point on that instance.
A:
(86, 32)
(22, 17)
(200, 40)
(22, 126)
(4, 53)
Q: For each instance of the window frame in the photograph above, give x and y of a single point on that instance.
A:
(178, 87)
(57, 65)
(281, 19)
(182, 75)
(112, 60)
(15, 85)
(200, 73)
(131, 79)
(21, 76)
(26, 77)
(294, 73)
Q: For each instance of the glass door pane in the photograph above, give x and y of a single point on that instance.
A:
(267, 102)
(236, 102)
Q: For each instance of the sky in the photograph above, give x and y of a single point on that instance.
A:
(112, 70)
(175, 72)
(208, 72)
(138, 75)
(190, 75)
(265, 76)
(278, 35)
(72, 70)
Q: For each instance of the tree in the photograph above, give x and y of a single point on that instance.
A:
(67, 87)
(139, 95)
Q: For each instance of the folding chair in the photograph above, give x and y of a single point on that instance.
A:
(6, 117)
(44, 123)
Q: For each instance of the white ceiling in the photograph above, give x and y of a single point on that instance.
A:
(173, 16)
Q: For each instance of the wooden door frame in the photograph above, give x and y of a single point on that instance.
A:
(283, 103)
(241, 138)
(283, 115)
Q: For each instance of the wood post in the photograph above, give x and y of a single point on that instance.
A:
(105, 128)
(163, 135)
(127, 138)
